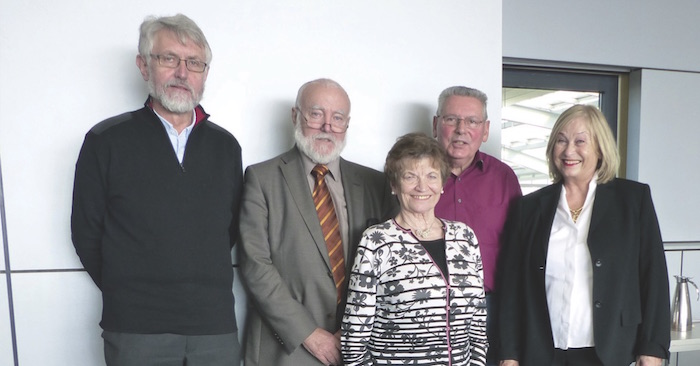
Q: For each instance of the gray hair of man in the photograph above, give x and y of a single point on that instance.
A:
(324, 82)
(184, 27)
(462, 91)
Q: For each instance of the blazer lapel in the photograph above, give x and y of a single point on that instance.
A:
(293, 174)
(604, 195)
(354, 199)
(547, 208)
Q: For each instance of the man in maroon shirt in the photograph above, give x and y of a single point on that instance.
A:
(480, 189)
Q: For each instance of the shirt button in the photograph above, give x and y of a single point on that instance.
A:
(459, 200)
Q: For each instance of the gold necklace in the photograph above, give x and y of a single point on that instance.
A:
(575, 213)
(423, 233)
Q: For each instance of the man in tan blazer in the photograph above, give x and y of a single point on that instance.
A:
(295, 308)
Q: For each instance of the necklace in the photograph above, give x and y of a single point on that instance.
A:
(575, 213)
(423, 233)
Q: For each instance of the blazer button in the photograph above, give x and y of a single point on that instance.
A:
(330, 274)
(598, 304)
(598, 263)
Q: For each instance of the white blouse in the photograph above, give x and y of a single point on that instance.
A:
(569, 275)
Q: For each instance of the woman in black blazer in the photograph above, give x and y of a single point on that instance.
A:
(584, 278)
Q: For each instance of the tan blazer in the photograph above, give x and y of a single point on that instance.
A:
(283, 256)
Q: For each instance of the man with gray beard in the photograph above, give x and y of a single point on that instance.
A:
(155, 212)
(302, 216)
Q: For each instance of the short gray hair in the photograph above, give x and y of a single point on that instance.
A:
(462, 91)
(184, 27)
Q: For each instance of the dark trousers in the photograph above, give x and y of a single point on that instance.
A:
(128, 349)
(576, 357)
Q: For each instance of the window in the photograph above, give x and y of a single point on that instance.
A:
(533, 99)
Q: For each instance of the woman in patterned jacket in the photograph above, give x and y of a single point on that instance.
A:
(416, 292)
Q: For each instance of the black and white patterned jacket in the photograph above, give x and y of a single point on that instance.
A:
(402, 310)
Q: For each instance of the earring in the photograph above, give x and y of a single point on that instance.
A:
(393, 193)
(442, 191)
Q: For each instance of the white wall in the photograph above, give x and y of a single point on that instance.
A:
(633, 33)
(67, 65)
(666, 151)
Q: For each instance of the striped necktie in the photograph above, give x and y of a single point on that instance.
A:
(329, 226)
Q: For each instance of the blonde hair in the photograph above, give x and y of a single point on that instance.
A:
(602, 136)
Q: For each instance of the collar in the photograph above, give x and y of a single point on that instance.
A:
(171, 127)
(477, 163)
(333, 166)
(584, 217)
(199, 114)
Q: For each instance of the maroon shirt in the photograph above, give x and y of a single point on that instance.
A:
(480, 197)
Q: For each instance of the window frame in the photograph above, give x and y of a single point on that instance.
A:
(605, 83)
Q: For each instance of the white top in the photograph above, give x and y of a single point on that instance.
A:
(179, 141)
(569, 275)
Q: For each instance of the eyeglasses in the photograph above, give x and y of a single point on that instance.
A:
(453, 121)
(172, 62)
(316, 120)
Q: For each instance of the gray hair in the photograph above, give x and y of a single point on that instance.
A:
(324, 82)
(462, 91)
(184, 27)
(410, 148)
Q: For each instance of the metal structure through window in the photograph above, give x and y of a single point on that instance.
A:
(532, 102)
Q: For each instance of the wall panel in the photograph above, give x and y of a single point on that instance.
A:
(56, 315)
(638, 34)
(6, 356)
(666, 151)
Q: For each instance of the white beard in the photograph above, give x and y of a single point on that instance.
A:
(180, 103)
(306, 145)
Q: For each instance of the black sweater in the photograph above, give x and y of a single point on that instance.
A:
(156, 235)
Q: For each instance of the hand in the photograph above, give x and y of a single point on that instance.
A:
(508, 363)
(645, 360)
(324, 346)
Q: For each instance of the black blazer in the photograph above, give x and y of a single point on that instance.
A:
(630, 282)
